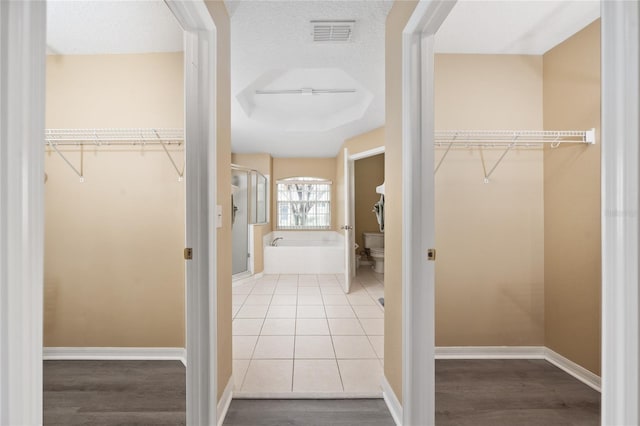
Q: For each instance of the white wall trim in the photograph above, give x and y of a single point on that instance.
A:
(225, 401)
(620, 204)
(490, 352)
(200, 61)
(113, 354)
(521, 352)
(390, 398)
(22, 100)
(585, 376)
(366, 154)
(418, 198)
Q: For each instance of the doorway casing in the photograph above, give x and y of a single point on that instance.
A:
(350, 207)
(620, 206)
(22, 102)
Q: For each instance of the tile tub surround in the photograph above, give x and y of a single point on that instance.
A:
(300, 336)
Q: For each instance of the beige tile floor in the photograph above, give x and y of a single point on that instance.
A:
(300, 334)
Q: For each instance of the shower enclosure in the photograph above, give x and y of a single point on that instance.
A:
(248, 207)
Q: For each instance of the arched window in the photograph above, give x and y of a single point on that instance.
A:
(304, 203)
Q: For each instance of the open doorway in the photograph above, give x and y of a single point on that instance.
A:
(300, 330)
(450, 128)
(114, 276)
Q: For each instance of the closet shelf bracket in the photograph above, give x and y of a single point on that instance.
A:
(173, 163)
(507, 140)
(69, 163)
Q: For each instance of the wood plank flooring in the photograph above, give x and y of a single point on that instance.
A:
(511, 393)
(114, 393)
(468, 392)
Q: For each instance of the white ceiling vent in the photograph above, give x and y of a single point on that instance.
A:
(340, 31)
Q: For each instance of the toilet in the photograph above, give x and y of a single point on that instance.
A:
(374, 241)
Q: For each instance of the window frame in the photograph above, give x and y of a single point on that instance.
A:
(304, 180)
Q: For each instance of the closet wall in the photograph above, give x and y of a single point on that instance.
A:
(114, 274)
(490, 237)
(572, 201)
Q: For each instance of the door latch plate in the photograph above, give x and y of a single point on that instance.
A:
(188, 253)
(431, 254)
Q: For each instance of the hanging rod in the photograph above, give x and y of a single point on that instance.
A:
(63, 137)
(507, 140)
(511, 138)
(114, 137)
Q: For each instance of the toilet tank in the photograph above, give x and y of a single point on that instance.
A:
(373, 239)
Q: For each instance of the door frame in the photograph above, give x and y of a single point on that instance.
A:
(22, 103)
(418, 223)
(620, 205)
(620, 225)
(350, 202)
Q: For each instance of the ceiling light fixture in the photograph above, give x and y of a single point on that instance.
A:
(306, 91)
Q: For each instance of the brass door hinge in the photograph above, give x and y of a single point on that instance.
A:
(431, 254)
(188, 253)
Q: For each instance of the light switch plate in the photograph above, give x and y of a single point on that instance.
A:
(218, 216)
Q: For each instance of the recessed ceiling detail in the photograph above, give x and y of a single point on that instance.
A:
(330, 98)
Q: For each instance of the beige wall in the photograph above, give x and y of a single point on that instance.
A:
(259, 162)
(396, 21)
(490, 237)
(368, 174)
(572, 201)
(220, 16)
(309, 167)
(114, 274)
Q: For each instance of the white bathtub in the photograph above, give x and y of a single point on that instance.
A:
(299, 252)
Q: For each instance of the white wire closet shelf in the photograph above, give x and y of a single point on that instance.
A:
(140, 137)
(507, 140)
(113, 136)
(514, 138)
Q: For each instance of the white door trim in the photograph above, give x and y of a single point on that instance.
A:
(620, 227)
(418, 365)
(348, 227)
(22, 97)
(22, 92)
(201, 198)
(349, 198)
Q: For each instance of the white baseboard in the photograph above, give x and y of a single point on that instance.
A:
(585, 376)
(521, 352)
(390, 398)
(225, 401)
(246, 279)
(114, 354)
(490, 352)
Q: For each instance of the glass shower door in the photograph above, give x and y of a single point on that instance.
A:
(240, 221)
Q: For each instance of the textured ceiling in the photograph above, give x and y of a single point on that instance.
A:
(513, 26)
(275, 35)
(84, 27)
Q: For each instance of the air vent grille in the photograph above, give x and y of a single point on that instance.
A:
(332, 31)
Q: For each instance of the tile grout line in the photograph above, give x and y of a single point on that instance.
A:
(295, 335)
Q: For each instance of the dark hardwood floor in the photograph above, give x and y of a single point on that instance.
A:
(468, 392)
(511, 393)
(114, 393)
